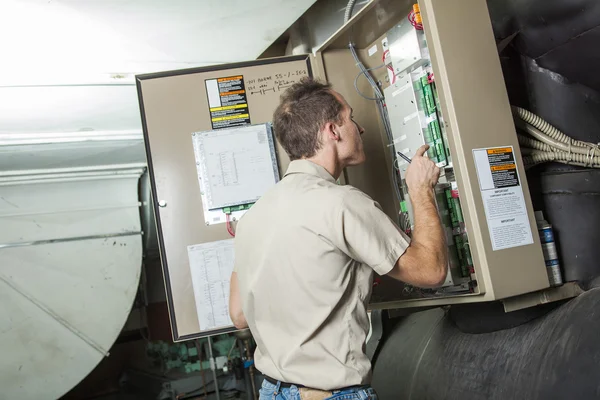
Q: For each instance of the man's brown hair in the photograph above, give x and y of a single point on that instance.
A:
(304, 108)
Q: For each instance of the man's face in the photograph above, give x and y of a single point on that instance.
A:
(350, 146)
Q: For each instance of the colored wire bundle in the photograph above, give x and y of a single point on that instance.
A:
(229, 227)
(389, 67)
(415, 20)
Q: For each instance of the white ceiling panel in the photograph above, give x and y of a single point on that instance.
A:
(68, 65)
(53, 36)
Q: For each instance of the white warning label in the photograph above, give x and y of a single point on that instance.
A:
(503, 199)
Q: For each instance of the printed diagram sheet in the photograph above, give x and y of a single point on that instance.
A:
(235, 166)
(211, 265)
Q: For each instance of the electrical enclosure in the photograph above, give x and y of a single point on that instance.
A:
(443, 87)
(434, 95)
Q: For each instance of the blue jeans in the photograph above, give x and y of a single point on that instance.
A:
(268, 391)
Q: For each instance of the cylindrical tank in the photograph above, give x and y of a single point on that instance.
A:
(572, 205)
(556, 356)
(70, 259)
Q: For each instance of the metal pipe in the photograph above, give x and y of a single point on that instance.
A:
(251, 369)
(15, 139)
(70, 210)
(89, 168)
(199, 350)
(249, 393)
(213, 367)
(70, 239)
(70, 175)
(64, 180)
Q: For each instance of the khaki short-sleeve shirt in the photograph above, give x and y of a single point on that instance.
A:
(305, 255)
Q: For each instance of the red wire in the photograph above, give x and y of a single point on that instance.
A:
(389, 66)
(393, 74)
(384, 53)
(229, 227)
(411, 19)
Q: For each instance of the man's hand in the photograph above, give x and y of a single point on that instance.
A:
(425, 262)
(422, 173)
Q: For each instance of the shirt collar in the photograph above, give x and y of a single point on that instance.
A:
(308, 167)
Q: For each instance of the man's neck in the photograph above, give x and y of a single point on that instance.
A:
(330, 165)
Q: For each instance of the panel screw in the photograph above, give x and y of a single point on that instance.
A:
(162, 203)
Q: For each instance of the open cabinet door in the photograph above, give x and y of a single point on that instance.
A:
(197, 123)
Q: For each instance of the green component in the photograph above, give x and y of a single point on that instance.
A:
(450, 204)
(403, 206)
(435, 129)
(173, 364)
(229, 210)
(420, 97)
(427, 134)
(460, 247)
(457, 208)
(181, 357)
(424, 80)
(458, 240)
(439, 147)
(468, 254)
(431, 153)
(195, 366)
(422, 104)
(429, 101)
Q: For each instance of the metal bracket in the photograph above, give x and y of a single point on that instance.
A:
(566, 291)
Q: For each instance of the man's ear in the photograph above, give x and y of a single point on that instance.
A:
(330, 132)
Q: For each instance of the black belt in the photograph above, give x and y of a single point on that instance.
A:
(281, 384)
(286, 385)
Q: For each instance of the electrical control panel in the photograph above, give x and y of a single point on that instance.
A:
(416, 119)
(442, 86)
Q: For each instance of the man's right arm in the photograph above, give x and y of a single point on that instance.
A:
(425, 261)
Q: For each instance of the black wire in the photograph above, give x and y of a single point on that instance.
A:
(379, 99)
(364, 72)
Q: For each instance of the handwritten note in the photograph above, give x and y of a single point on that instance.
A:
(274, 83)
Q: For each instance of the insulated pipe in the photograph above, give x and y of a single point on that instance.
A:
(87, 168)
(349, 8)
(544, 126)
(538, 157)
(556, 144)
(426, 356)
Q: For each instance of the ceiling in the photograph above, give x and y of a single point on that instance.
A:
(120, 36)
(60, 60)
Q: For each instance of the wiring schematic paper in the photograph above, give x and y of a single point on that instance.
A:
(236, 166)
(211, 265)
(503, 199)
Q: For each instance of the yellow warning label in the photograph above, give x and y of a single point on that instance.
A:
(230, 117)
(229, 107)
(499, 150)
(233, 92)
(503, 167)
(231, 78)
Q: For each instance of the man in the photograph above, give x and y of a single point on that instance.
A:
(306, 251)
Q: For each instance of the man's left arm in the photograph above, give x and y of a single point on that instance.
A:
(235, 304)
